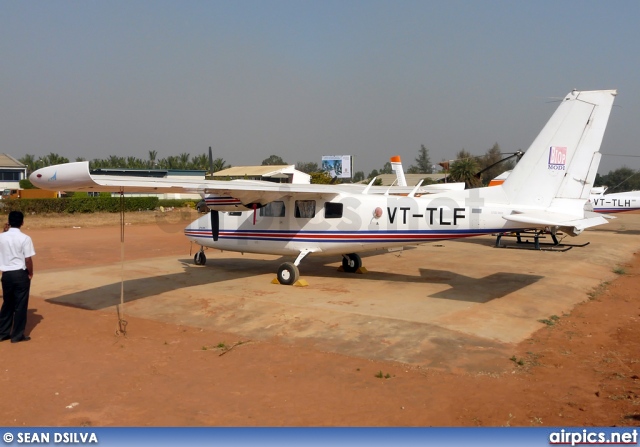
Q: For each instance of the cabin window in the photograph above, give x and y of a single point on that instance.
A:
(273, 209)
(305, 209)
(332, 210)
(236, 213)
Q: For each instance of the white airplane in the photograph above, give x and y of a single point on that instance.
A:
(613, 203)
(547, 189)
(598, 202)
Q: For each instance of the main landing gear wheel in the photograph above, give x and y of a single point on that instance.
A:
(351, 262)
(200, 258)
(288, 273)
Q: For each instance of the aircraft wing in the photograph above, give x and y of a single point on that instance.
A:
(76, 177)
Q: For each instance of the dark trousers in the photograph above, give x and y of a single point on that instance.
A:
(15, 295)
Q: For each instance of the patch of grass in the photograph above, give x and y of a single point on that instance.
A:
(619, 270)
(599, 290)
(381, 375)
(517, 361)
(553, 319)
(221, 345)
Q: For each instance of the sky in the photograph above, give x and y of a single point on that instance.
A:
(302, 79)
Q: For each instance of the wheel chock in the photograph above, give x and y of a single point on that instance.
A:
(298, 283)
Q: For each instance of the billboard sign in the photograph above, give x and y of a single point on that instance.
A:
(337, 165)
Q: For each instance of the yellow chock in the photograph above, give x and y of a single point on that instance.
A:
(341, 269)
(298, 283)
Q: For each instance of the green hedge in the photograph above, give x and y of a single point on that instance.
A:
(79, 205)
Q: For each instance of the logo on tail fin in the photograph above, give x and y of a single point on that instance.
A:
(557, 158)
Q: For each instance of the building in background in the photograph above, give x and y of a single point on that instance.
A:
(11, 172)
(271, 173)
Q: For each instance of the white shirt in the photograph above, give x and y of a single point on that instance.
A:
(15, 246)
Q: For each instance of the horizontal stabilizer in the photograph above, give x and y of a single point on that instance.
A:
(572, 224)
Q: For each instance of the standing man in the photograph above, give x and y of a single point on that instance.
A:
(16, 251)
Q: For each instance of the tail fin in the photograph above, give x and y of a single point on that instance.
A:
(396, 166)
(563, 160)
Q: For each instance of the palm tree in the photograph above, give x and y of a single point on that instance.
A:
(115, 161)
(54, 159)
(30, 162)
(464, 170)
(219, 164)
(183, 159)
(152, 159)
(200, 162)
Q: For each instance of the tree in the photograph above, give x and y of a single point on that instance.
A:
(373, 174)
(30, 162)
(321, 177)
(273, 160)
(358, 176)
(54, 159)
(493, 157)
(152, 159)
(307, 167)
(423, 162)
(386, 169)
(620, 180)
(183, 160)
(464, 169)
(200, 162)
(219, 164)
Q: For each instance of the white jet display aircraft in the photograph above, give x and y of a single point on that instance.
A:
(547, 189)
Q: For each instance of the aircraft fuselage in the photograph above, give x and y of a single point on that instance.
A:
(348, 223)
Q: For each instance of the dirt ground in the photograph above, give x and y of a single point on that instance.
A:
(583, 369)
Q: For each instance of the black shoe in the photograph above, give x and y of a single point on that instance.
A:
(6, 337)
(18, 340)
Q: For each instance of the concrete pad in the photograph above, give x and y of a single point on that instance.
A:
(453, 304)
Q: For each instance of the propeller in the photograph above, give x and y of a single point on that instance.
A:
(215, 224)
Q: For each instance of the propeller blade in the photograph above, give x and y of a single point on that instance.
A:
(215, 224)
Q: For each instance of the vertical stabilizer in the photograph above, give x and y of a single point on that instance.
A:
(563, 160)
(396, 166)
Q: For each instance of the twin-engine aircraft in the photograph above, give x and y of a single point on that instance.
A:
(547, 189)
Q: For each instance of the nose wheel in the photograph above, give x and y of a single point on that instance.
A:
(200, 258)
(288, 273)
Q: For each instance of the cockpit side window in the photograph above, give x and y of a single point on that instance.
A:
(273, 209)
